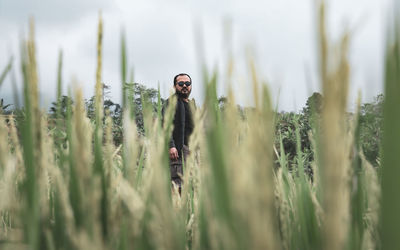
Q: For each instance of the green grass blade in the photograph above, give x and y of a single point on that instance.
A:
(6, 70)
(124, 67)
(391, 145)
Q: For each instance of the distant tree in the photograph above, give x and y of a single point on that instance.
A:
(139, 96)
(285, 130)
(370, 125)
(309, 118)
(63, 106)
(114, 110)
(303, 122)
(313, 105)
(90, 104)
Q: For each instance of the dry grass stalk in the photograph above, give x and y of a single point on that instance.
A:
(33, 87)
(82, 139)
(131, 146)
(15, 144)
(4, 145)
(335, 142)
(99, 84)
(373, 191)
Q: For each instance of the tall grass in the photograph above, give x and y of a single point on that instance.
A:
(72, 188)
(391, 137)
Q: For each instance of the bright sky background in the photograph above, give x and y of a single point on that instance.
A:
(164, 36)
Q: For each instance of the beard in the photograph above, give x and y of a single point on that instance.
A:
(183, 93)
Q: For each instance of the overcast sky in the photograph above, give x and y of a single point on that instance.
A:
(166, 37)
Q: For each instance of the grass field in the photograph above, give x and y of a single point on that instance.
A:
(70, 187)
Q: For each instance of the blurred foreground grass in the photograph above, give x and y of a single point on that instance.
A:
(88, 194)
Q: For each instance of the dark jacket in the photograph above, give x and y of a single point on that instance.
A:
(178, 134)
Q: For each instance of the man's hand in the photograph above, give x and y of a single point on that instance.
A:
(173, 154)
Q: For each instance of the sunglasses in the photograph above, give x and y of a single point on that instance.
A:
(184, 83)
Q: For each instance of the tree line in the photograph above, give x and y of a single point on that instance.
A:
(291, 128)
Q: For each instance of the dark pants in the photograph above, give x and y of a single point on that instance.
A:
(177, 168)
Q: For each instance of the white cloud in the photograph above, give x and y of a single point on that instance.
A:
(50, 12)
(162, 38)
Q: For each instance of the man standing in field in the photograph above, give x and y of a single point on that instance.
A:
(183, 128)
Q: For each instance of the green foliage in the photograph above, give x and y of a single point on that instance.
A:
(371, 118)
(308, 121)
(286, 127)
(58, 110)
(139, 96)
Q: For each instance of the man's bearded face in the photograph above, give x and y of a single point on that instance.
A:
(183, 91)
